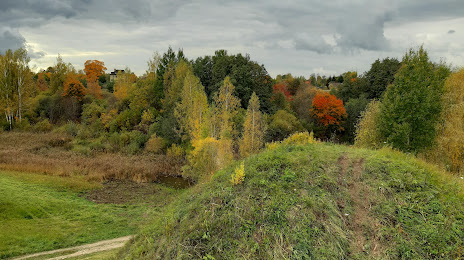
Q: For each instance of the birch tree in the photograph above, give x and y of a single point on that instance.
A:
(23, 78)
(191, 111)
(226, 107)
(7, 89)
(254, 129)
(15, 83)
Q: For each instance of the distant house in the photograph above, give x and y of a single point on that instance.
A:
(114, 74)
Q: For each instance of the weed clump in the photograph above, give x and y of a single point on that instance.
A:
(239, 174)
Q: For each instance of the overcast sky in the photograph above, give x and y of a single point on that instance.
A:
(299, 37)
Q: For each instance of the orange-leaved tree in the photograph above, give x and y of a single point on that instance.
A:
(41, 81)
(328, 113)
(93, 70)
(73, 87)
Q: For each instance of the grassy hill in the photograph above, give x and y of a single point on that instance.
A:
(318, 201)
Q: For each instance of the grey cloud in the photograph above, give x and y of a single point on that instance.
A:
(142, 26)
(430, 9)
(35, 13)
(11, 39)
(367, 35)
(451, 31)
(312, 43)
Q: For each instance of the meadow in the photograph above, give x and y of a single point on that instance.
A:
(40, 212)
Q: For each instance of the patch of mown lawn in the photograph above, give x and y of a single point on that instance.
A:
(40, 213)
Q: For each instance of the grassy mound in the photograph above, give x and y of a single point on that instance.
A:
(318, 201)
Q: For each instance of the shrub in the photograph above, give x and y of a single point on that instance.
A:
(134, 142)
(155, 144)
(43, 126)
(127, 119)
(114, 142)
(71, 128)
(92, 112)
(97, 145)
(239, 174)
(208, 155)
(23, 125)
(82, 149)
(175, 151)
(300, 139)
(282, 124)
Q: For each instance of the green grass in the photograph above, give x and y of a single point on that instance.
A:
(319, 201)
(40, 213)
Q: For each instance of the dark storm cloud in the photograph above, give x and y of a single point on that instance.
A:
(11, 40)
(315, 44)
(413, 10)
(366, 34)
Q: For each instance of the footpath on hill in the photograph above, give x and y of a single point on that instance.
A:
(77, 251)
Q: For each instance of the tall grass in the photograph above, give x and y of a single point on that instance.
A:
(51, 153)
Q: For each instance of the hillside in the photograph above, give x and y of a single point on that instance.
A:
(319, 201)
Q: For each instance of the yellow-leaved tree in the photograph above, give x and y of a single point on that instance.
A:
(191, 110)
(367, 130)
(123, 85)
(449, 148)
(173, 84)
(254, 129)
(226, 106)
(211, 134)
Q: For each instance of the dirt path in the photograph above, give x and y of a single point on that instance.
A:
(81, 250)
(363, 226)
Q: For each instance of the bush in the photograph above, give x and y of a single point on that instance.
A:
(295, 139)
(97, 145)
(71, 128)
(135, 142)
(300, 139)
(92, 112)
(23, 125)
(175, 151)
(282, 125)
(155, 144)
(114, 142)
(239, 174)
(43, 126)
(127, 119)
(208, 156)
(82, 149)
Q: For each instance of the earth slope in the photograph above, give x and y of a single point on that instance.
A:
(319, 201)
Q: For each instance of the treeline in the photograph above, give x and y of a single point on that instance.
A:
(212, 109)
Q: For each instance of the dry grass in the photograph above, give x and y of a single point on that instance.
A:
(50, 153)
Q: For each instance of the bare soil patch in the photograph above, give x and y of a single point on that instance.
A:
(122, 192)
(364, 228)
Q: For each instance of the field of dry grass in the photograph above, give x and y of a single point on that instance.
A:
(51, 153)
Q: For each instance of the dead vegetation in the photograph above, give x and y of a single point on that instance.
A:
(51, 153)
